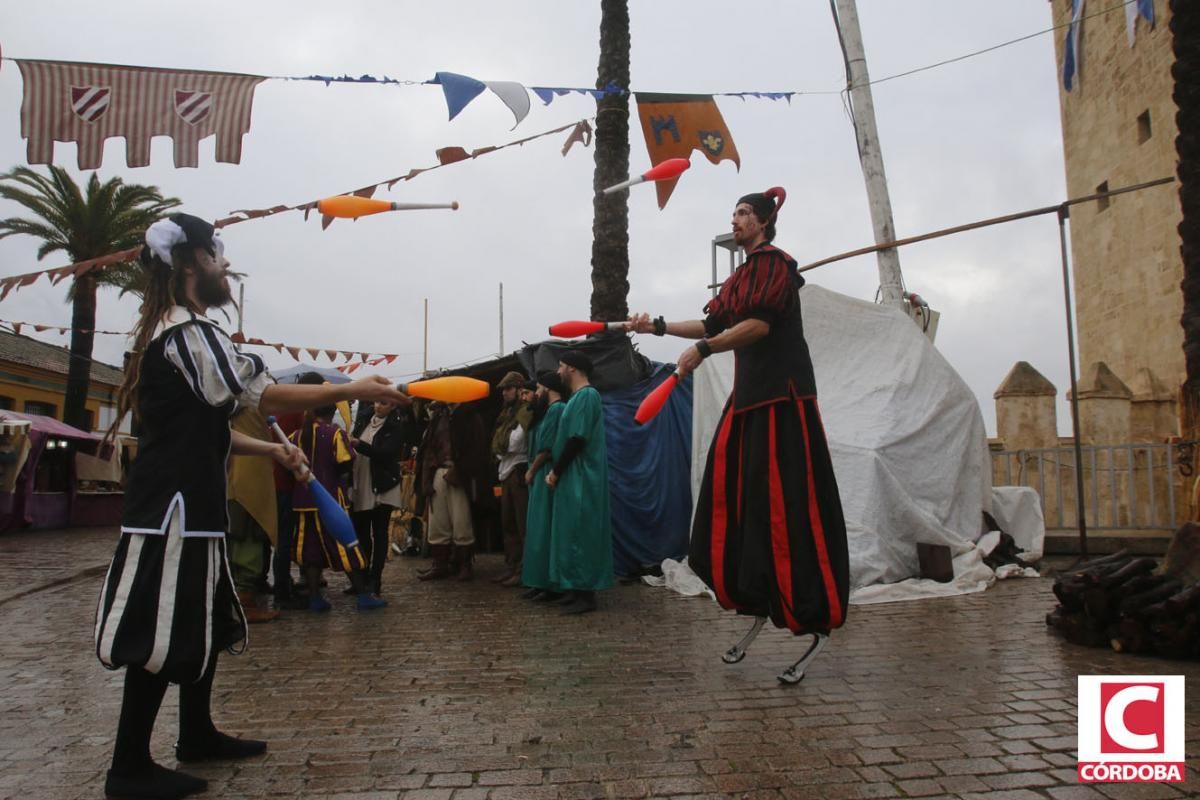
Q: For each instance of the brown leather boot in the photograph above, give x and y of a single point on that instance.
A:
(464, 555)
(254, 614)
(441, 564)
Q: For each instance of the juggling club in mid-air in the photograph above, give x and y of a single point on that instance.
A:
(663, 171)
(352, 206)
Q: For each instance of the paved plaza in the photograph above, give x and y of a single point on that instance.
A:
(465, 692)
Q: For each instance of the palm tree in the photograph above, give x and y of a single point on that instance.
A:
(110, 216)
(1185, 29)
(610, 212)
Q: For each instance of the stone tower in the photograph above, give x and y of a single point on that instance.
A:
(1118, 130)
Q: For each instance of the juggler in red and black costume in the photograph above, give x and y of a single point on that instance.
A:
(768, 536)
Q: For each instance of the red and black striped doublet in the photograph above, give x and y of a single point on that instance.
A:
(769, 537)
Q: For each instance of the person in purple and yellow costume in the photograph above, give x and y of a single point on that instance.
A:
(314, 548)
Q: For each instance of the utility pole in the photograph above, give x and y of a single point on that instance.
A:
(869, 153)
(241, 307)
(501, 353)
(425, 357)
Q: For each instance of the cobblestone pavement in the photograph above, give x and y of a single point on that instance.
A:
(462, 691)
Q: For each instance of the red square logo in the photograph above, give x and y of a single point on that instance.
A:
(1132, 718)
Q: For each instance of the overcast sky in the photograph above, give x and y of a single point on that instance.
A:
(962, 142)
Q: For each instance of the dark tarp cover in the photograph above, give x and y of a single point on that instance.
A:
(649, 474)
(617, 364)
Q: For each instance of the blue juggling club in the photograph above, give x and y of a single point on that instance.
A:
(333, 517)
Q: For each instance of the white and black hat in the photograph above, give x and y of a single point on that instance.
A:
(180, 229)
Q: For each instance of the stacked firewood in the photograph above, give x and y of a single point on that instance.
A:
(1133, 604)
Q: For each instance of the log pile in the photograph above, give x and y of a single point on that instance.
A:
(1133, 604)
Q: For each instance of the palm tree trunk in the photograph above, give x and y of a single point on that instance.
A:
(610, 219)
(79, 372)
(1185, 30)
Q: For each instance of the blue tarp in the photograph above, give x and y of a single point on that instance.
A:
(649, 474)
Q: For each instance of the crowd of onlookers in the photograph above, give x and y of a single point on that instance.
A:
(424, 479)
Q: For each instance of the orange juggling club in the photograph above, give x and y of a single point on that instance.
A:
(665, 170)
(450, 389)
(654, 401)
(578, 327)
(351, 206)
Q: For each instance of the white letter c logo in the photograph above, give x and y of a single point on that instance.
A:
(1114, 718)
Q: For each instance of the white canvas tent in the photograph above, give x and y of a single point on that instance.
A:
(908, 444)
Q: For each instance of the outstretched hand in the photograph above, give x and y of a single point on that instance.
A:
(639, 323)
(377, 387)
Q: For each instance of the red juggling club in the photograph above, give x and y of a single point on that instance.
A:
(654, 401)
(665, 170)
(578, 327)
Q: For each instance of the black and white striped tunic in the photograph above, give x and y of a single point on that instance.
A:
(168, 603)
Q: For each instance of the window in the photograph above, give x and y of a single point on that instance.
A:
(38, 407)
(1102, 202)
(1143, 126)
(6, 403)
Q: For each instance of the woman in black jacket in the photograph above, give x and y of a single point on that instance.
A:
(382, 442)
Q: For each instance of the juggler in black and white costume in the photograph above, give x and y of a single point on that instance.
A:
(168, 604)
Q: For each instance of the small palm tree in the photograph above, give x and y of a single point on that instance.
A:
(107, 217)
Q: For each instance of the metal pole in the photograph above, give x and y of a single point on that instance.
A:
(425, 357)
(501, 353)
(241, 304)
(1064, 212)
(869, 153)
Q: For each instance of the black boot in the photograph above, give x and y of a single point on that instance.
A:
(584, 602)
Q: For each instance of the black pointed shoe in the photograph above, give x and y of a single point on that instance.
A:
(156, 782)
(218, 746)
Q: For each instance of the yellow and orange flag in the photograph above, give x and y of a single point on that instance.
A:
(676, 124)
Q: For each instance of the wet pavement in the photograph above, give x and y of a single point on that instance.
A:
(463, 691)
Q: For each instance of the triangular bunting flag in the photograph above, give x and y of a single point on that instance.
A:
(451, 155)
(331, 355)
(294, 352)
(514, 96)
(458, 89)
